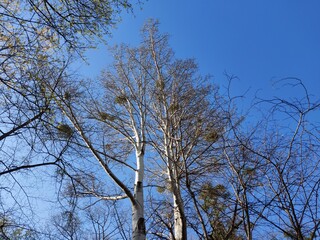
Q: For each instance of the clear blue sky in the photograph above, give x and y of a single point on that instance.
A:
(255, 40)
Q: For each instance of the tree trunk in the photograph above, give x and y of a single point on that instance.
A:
(180, 228)
(180, 225)
(138, 222)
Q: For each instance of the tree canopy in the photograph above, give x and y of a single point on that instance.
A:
(152, 148)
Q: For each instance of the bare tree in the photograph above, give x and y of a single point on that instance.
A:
(274, 167)
(113, 126)
(293, 164)
(185, 125)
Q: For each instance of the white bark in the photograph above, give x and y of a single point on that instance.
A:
(178, 220)
(138, 221)
(180, 229)
(180, 232)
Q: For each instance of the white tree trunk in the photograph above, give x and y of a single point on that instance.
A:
(138, 222)
(179, 222)
(180, 232)
(180, 228)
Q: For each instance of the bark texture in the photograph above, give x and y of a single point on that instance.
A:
(138, 221)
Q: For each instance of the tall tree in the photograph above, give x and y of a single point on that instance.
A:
(185, 123)
(127, 88)
(113, 126)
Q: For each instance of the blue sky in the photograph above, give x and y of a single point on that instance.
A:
(258, 41)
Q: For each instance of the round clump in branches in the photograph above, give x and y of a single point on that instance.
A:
(121, 99)
(106, 116)
(64, 130)
(211, 136)
(67, 96)
(160, 189)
